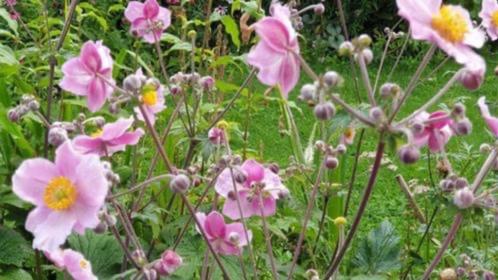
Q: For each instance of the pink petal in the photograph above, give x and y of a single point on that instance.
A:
(31, 178)
(91, 182)
(152, 37)
(231, 209)
(165, 17)
(67, 159)
(289, 73)
(418, 10)
(128, 138)
(491, 121)
(202, 221)
(36, 217)
(239, 229)
(268, 208)
(90, 57)
(151, 9)
(274, 33)
(89, 145)
(77, 266)
(255, 171)
(215, 225)
(150, 115)
(134, 11)
(53, 231)
(226, 248)
(97, 94)
(224, 183)
(116, 129)
(273, 184)
(76, 77)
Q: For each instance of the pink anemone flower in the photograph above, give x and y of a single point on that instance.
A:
(489, 16)
(113, 137)
(491, 121)
(67, 195)
(90, 74)
(252, 181)
(152, 99)
(277, 54)
(226, 239)
(448, 26)
(73, 262)
(170, 261)
(148, 19)
(436, 132)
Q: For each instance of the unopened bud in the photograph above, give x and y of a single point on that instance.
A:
(180, 183)
(463, 127)
(447, 185)
(488, 275)
(459, 109)
(191, 34)
(409, 154)
(240, 176)
(448, 274)
(341, 149)
(149, 274)
(274, 168)
(367, 56)
(463, 198)
(177, 78)
(13, 115)
(485, 148)
(34, 105)
(100, 228)
(207, 83)
(331, 162)
(308, 92)
(389, 90)
(331, 78)
(57, 136)
(346, 49)
(376, 114)
(319, 9)
(461, 183)
(324, 111)
(364, 41)
(132, 83)
(175, 90)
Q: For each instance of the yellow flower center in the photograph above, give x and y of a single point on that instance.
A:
(494, 18)
(97, 133)
(149, 97)
(83, 264)
(450, 24)
(60, 194)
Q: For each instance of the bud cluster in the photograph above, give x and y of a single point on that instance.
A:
(461, 124)
(28, 104)
(359, 48)
(331, 154)
(179, 80)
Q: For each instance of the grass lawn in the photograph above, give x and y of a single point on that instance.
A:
(387, 201)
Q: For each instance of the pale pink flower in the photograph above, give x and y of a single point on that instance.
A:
(169, 262)
(73, 262)
(67, 195)
(491, 121)
(148, 19)
(113, 137)
(252, 181)
(277, 54)
(436, 132)
(226, 239)
(90, 74)
(489, 16)
(152, 99)
(448, 26)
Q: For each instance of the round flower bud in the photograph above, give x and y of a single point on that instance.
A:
(341, 149)
(460, 271)
(367, 56)
(447, 185)
(57, 136)
(191, 34)
(149, 274)
(331, 78)
(274, 168)
(114, 108)
(100, 228)
(33, 105)
(448, 274)
(346, 48)
(463, 127)
(485, 148)
(177, 78)
(461, 183)
(324, 111)
(308, 92)
(389, 90)
(331, 162)
(376, 114)
(364, 41)
(319, 9)
(340, 221)
(488, 275)
(175, 90)
(320, 145)
(239, 176)
(138, 256)
(132, 83)
(459, 109)
(180, 183)
(311, 274)
(409, 154)
(13, 115)
(232, 195)
(463, 198)
(207, 83)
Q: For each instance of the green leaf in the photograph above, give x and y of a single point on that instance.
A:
(10, 22)
(102, 251)
(8, 63)
(232, 29)
(15, 274)
(380, 251)
(14, 249)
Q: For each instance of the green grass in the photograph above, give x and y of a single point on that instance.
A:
(387, 201)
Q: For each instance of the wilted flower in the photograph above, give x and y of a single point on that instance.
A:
(113, 137)
(489, 16)
(169, 262)
(226, 239)
(90, 74)
(448, 26)
(491, 121)
(148, 19)
(68, 195)
(276, 54)
(73, 262)
(257, 181)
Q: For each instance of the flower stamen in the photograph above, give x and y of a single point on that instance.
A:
(450, 24)
(60, 194)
